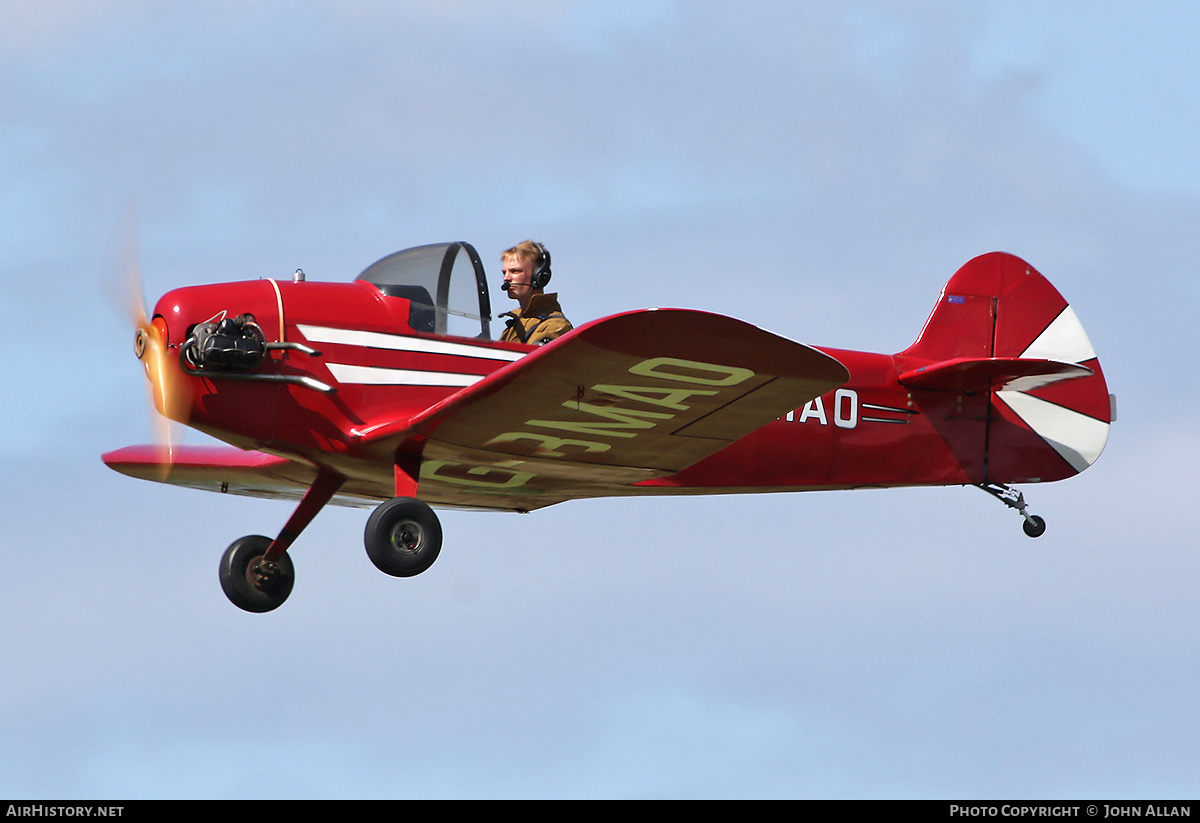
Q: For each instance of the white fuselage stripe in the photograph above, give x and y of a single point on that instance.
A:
(376, 376)
(398, 342)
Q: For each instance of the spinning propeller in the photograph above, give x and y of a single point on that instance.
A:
(167, 391)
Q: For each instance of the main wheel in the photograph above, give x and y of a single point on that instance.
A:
(1034, 526)
(403, 537)
(254, 584)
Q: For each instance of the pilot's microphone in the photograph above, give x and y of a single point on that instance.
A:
(505, 286)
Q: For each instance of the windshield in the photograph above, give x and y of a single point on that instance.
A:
(444, 282)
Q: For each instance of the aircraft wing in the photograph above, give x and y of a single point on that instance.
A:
(228, 470)
(623, 399)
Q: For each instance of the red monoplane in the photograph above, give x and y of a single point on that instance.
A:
(390, 388)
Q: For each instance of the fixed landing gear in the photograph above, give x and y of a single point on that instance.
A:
(256, 573)
(250, 580)
(403, 537)
(1034, 526)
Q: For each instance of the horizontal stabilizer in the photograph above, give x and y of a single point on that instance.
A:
(973, 374)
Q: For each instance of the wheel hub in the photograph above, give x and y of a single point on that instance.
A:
(407, 536)
(262, 574)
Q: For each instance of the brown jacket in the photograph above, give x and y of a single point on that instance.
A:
(540, 323)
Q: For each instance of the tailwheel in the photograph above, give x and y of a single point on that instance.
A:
(252, 583)
(403, 537)
(1034, 526)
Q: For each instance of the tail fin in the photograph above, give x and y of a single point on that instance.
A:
(1000, 323)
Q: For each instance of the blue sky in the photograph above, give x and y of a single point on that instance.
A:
(818, 169)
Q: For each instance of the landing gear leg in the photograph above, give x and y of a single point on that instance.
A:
(256, 571)
(1033, 526)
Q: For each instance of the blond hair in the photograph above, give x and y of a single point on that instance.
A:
(525, 251)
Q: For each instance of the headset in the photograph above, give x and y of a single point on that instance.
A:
(541, 269)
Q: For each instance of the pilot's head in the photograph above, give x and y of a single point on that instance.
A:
(526, 269)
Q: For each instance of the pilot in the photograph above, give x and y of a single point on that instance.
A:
(539, 319)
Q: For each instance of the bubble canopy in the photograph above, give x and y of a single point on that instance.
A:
(447, 278)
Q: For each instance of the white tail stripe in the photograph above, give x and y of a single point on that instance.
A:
(397, 342)
(1078, 438)
(1063, 339)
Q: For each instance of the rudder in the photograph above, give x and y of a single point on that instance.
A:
(1039, 428)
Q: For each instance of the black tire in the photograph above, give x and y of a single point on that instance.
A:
(246, 585)
(1034, 526)
(403, 537)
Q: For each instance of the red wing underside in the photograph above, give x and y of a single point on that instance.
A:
(620, 400)
(231, 471)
